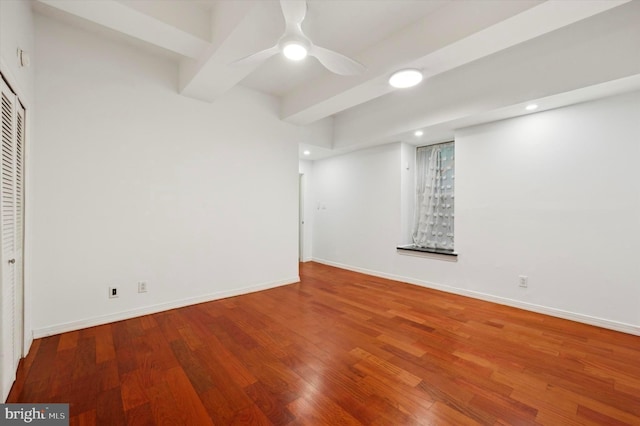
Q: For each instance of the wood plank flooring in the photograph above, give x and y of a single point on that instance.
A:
(339, 348)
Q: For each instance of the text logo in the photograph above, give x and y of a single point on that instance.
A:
(36, 414)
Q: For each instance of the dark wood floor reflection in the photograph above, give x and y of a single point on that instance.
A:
(339, 348)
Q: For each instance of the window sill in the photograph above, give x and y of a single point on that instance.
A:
(412, 250)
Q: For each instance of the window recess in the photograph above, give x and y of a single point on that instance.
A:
(434, 216)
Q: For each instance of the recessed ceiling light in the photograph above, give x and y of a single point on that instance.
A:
(307, 153)
(294, 51)
(418, 133)
(531, 107)
(405, 78)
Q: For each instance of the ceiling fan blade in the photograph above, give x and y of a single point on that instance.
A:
(257, 58)
(336, 62)
(293, 11)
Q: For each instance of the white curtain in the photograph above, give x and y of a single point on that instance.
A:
(434, 214)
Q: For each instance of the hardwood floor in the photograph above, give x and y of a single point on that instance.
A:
(339, 348)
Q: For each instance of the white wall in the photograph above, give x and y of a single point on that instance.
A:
(16, 31)
(407, 191)
(554, 196)
(358, 211)
(307, 209)
(134, 182)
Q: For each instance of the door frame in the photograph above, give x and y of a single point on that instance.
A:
(21, 341)
(301, 223)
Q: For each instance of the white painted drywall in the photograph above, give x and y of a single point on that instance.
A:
(135, 182)
(16, 32)
(407, 191)
(358, 214)
(308, 211)
(554, 196)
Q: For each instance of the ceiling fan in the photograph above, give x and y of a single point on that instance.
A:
(295, 45)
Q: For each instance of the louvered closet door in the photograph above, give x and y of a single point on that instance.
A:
(11, 231)
(18, 326)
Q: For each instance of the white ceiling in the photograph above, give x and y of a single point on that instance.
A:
(347, 29)
(483, 59)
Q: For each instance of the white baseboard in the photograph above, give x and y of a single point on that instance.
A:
(554, 312)
(146, 310)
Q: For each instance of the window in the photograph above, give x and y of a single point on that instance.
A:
(434, 209)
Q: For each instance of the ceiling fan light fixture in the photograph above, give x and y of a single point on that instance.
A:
(294, 51)
(405, 78)
(295, 45)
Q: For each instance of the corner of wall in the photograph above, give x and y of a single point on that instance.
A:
(17, 32)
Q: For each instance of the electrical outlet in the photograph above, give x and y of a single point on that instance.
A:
(142, 286)
(113, 292)
(523, 281)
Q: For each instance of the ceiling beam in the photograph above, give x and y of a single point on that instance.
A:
(239, 29)
(134, 22)
(563, 67)
(435, 46)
